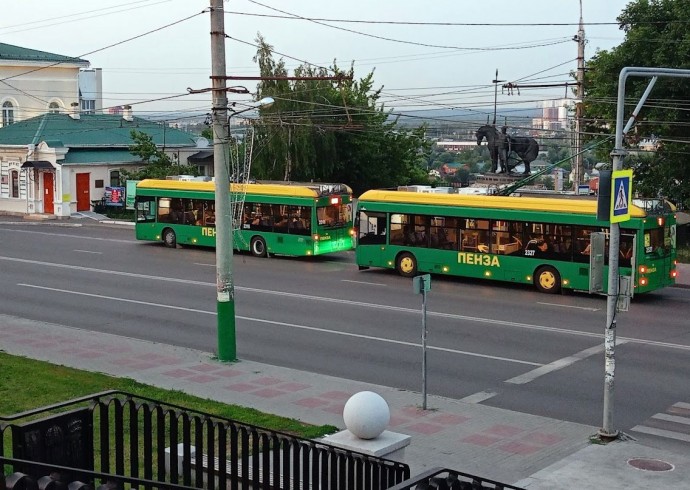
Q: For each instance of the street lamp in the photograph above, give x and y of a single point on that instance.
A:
(225, 288)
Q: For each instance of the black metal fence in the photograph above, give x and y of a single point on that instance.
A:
(118, 440)
(445, 479)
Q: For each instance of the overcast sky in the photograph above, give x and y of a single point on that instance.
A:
(419, 66)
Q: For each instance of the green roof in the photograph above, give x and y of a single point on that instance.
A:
(91, 131)
(79, 156)
(17, 53)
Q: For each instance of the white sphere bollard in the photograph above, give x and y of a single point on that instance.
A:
(366, 414)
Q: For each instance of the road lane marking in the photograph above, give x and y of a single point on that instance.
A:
(65, 235)
(479, 397)
(586, 308)
(124, 300)
(88, 252)
(364, 282)
(285, 324)
(400, 309)
(661, 433)
(556, 365)
(671, 418)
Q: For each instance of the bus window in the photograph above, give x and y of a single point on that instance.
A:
(654, 241)
(398, 225)
(625, 250)
(420, 231)
(335, 214)
(476, 235)
(146, 209)
(297, 223)
(209, 213)
(372, 228)
(164, 210)
(443, 233)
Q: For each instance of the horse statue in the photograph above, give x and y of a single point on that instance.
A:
(525, 148)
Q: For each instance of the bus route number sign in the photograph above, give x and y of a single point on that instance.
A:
(421, 284)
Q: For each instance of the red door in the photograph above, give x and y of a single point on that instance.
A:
(48, 207)
(83, 193)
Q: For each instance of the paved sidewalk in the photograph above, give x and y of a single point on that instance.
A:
(534, 452)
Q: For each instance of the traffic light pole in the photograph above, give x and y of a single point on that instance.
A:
(607, 430)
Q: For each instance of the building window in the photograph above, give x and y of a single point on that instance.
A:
(7, 113)
(54, 108)
(114, 178)
(14, 183)
(88, 106)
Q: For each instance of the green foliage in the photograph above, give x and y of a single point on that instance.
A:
(328, 130)
(656, 35)
(158, 164)
(52, 384)
(207, 133)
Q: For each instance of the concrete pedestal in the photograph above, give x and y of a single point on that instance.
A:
(389, 445)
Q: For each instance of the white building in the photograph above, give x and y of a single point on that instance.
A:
(36, 82)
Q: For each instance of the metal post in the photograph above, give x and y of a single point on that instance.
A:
(424, 332)
(614, 232)
(579, 170)
(225, 289)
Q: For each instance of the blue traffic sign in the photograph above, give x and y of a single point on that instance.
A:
(621, 195)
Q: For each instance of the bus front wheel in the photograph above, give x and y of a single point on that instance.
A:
(406, 265)
(258, 247)
(169, 238)
(547, 280)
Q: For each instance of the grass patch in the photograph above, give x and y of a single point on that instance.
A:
(26, 384)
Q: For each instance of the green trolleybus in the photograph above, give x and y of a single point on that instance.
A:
(550, 242)
(274, 218)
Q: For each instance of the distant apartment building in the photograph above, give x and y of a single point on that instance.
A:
(554, 115)
(456, 145)
(37, 82)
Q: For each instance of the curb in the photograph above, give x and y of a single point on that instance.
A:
(111, 222)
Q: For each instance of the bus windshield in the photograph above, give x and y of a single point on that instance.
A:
(333, 215)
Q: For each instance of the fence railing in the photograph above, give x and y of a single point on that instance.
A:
(123, 440)
(443, 478)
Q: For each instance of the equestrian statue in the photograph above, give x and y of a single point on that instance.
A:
(501, 145)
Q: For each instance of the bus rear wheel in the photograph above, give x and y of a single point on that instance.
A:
(169, 238)
(547, 280)
(258, 247)
(406, 265)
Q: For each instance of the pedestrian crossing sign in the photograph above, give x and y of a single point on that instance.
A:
(621, 195)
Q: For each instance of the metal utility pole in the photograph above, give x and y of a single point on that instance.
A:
(225, 288)
(496, 81)
(618, 152)
(579, 169)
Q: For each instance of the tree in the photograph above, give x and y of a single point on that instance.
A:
(326, 130)
(158, 164)
(656, 35)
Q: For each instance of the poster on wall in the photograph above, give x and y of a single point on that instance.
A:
(131, 193)
(114, 196)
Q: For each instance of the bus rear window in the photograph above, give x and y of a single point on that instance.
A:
(654, 241)
(333, 215)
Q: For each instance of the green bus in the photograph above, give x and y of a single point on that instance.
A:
(274, 218)
(542, 241)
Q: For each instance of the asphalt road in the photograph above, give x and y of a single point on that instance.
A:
(499, 344)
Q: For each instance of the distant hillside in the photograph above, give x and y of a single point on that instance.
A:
(514, 116)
